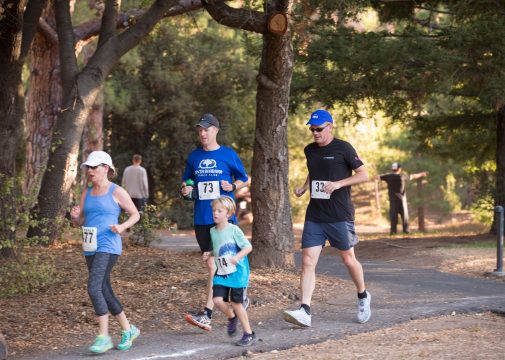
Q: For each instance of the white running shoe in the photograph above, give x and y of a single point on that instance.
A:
(298, 317)
(364, 311)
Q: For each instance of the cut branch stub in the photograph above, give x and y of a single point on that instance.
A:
(278, 23)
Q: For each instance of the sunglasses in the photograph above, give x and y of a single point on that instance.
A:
(316, 129)
(93, 167)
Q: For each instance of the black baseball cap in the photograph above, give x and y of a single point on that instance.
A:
(208, 120)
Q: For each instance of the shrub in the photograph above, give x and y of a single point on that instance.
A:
(25, 275)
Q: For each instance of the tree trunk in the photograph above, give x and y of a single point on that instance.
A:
(272, 225)
(92, 137)
(420, 208)
(80, 89)
(11, 114)
(53, 199)
(44, 97)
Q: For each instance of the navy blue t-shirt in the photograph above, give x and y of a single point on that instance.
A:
(396, 184)
(332, 162)
(207, 169)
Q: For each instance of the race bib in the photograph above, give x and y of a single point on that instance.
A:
(208, 190)
(89, 238)
(224, 265)
(317, 190)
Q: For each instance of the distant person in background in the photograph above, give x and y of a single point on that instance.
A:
(135, 182)
(396, 182)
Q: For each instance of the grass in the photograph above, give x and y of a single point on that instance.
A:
(472, 245)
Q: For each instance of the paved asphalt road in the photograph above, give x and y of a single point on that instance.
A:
(399, 293)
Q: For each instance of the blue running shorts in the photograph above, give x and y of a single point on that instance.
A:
(341, 235)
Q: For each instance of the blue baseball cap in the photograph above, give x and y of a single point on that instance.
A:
(319, 117)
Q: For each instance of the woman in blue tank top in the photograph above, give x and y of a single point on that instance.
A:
(98, 213)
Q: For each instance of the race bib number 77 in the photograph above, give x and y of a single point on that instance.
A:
(89, 242)
(317, 190)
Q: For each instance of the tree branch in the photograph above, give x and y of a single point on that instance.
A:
(250, 20)
(89, 30)
(31, 18)
(48, 31)
(68, 59)
(108, 28)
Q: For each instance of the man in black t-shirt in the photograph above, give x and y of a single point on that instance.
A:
(396, 182)
(330, 214)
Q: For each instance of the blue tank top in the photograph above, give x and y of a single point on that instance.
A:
(102, 211)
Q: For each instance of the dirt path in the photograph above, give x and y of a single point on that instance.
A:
(157, 286)
(475, 336)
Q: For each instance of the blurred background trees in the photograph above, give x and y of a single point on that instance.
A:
(419, 82)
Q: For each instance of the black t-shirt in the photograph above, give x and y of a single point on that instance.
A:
(396, 184)
(332, 162)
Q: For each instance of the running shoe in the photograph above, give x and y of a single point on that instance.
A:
(247, 339)
(102, 344)
(298, 317)
(232, 326)
(127, 337)
(201, 320)
(364, 311)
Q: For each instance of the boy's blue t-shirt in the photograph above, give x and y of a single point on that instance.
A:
(207, 169)
(225, 244)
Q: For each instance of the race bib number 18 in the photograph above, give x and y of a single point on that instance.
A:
(317, 190)
(225, 266)
(208, 190)
(89, 238)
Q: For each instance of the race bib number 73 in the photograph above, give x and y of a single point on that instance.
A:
(89, 242)
(317, 190)
(208, 190)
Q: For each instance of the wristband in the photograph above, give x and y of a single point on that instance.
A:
(233, 187)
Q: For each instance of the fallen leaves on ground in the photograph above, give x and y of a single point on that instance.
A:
(156, 288)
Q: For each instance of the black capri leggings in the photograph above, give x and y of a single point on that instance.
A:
(99, 287)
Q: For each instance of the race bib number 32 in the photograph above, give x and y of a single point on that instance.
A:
(208, 190)
(317, 190)
(224, 265)
(89, 242)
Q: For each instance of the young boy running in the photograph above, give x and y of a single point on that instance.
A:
(229, 249)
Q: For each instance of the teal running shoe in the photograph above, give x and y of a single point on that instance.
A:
(127, 337)
(102, 344)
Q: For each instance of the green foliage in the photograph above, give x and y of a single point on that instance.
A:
(25, 275)
(187, 67)
(16, 220)
(434, 67)
(143, 232)
(483, 209)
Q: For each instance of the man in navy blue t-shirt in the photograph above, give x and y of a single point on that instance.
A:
(215, 170)
(330, 214)
(397, 186)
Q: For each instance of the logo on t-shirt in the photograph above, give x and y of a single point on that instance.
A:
(207, 164)
(329, 157)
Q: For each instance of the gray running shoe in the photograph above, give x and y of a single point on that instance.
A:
(298, 317)
(247, 340)
(364, 311)
(201, 320)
